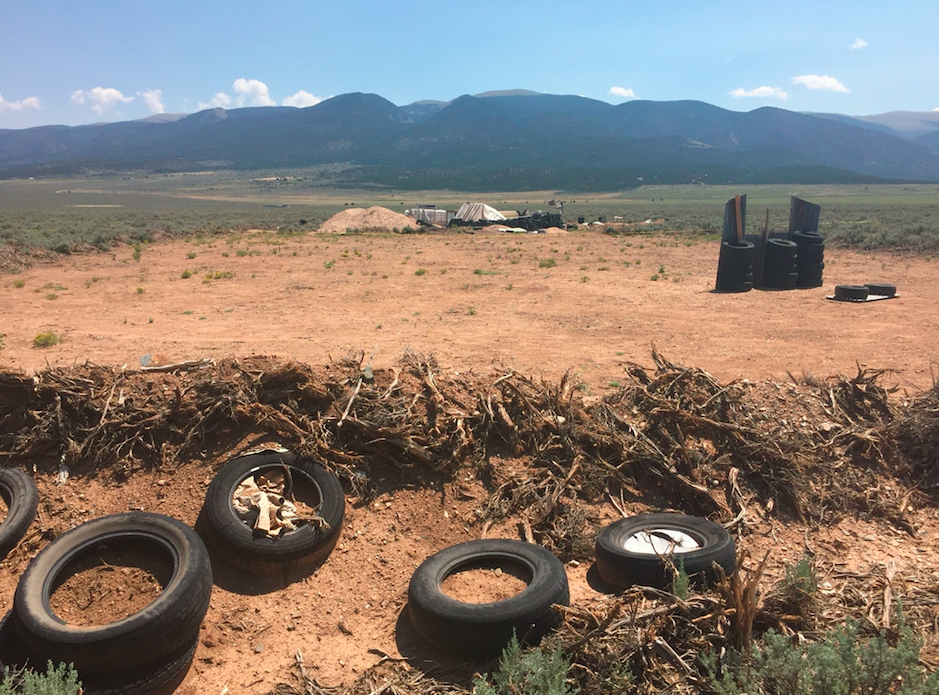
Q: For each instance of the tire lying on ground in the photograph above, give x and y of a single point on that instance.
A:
(641, 550)
(139, 642)
(241, 546)
(851, 291)
(484, 629)
(19, 492)
(162, 679)
(881, 288)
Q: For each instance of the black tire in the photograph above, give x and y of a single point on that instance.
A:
(851, 291)
(735, 254)
(881, 288)
(137, 641)
(239, 545)
(483, 629)
(19, 492)
(12, 652)
(781, 281)
(808, 239)
(781, 248)
(160, 680)
(734, 286)
(811, 254)
(622, 568)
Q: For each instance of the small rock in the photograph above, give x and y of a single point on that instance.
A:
(258, 649)
(870, 537)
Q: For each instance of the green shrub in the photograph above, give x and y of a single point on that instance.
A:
(57, 680)
(840, 663)
(547, 263)
(186, 274)
(420, 271)
(530, 673)
(47, 339)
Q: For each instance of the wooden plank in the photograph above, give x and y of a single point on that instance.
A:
(803, 216)
(759, 254)
(729, 232)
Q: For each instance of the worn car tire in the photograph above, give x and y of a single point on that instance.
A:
(137, 641)
(162, 679)
(239, 545)
(881, 288)
(622, 567)
(483, 629)
(851, 291)
(19, 492)
(12, 652)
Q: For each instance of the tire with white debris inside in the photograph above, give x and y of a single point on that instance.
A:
(645, 549)
(241, 539)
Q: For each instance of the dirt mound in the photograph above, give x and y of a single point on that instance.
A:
(366, 218)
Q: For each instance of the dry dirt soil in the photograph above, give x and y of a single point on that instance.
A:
(483, 301)
(473, 301)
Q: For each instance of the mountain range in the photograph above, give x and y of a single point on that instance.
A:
(499, 141)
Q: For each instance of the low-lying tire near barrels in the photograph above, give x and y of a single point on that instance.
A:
(643, 549)
(881, 288)
(19, 492)
(136, 642)
(484, 629)
(241, 546)
(851, 291)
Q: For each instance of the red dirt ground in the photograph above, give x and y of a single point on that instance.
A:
(482, 301)
(540, 320)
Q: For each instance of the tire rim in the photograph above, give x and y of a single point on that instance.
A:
(660, 541)
(294, 473)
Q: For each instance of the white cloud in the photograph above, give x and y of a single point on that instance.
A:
(301, 99)
(100, 98)
(858, 45)
(27, 103)
(825, 82)
(623, 93)
(220, 100)
(760, 93)
(154, 99)
(255, 90)
(250, 92)
(936, 109)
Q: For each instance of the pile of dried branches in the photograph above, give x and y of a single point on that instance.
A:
(672, 436)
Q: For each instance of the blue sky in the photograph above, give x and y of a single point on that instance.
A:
(91, 61)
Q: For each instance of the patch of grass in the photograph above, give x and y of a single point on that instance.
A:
(420, 271)
(841, 662)
(47, 339)
(471, 310)
(191, 255)
(219, 275)
(57, 680)
(186, 274)
(19, 283)
(329, 264)
(52, 295)
(547, 263)
(534, 672)
(654, 278)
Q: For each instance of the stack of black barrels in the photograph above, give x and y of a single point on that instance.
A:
(810, 258)
(734, 269)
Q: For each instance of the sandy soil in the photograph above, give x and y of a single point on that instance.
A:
(542, 320)
(479, 301)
